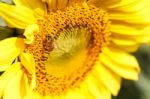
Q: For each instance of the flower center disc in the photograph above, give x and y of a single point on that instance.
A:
(67, 46)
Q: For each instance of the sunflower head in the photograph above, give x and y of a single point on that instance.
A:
(71, 47)
(68, 40)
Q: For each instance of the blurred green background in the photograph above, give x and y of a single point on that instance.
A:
(130, 89)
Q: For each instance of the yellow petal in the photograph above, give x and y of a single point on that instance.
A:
(12, 90)
(34, 95)
(27, 60)
(135, 11)
(124, 30)
(145, 37)
(71, 2)
(37, 5)
(52, 4)
(10, 48)
(97, 89)
(62, 4)
(24, 88)
(127, 48)
(84, 90)
(49, 97)
(4, 67)
(127, 40)
(29, 33)
(132, 19)
(124, 35)
(123, 41)
(103, 4)
(111, 80)
(72, 93)
(16, 16)
(126, 44)
(130, 6)
(120, 62)
(7, 76)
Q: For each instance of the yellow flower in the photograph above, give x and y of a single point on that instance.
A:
(71, 49)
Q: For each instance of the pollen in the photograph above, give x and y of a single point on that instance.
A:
(67, 46)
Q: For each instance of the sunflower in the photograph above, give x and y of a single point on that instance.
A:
(71, 49)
